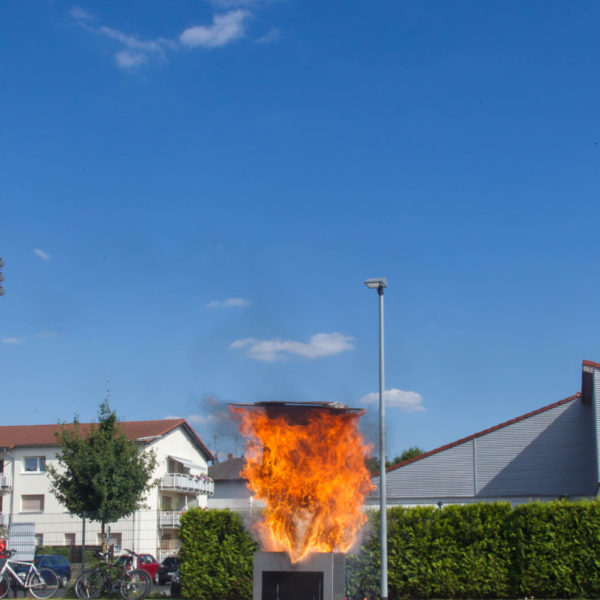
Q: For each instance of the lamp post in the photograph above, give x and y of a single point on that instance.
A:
(380, 284)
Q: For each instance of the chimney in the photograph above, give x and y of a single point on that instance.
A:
(229, 456)
(587, 381)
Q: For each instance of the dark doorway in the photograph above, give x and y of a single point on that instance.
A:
(292, 585)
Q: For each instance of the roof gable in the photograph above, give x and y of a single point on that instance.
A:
(228, 470)
(482, 433)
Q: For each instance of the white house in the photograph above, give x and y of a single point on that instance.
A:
(182, 472)
(231, 489)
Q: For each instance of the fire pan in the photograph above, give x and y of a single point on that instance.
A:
(321, 576)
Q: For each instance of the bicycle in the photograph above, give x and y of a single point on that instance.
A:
(130, 582)
(42, 583)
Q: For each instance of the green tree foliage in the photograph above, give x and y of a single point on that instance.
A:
(217, 555)
(101, 474)
(372, 462)
(407, 454)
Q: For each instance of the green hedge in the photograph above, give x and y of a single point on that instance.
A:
(547, 550)
(216, 556)
(556, 549)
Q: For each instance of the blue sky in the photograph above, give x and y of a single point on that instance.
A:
(193, 193)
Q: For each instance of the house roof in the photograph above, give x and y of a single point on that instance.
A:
(227, 470)
(484, 432)
(13, 436)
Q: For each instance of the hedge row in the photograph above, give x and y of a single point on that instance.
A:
(547, 550)
(217, 556)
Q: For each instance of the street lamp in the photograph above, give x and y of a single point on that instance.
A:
(379, 284)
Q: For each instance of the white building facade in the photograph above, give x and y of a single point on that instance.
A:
(182, 474)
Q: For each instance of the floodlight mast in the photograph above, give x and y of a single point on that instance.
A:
(379, 284)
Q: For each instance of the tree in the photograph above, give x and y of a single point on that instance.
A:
(407, 454)
(102, 475)
(372, 462)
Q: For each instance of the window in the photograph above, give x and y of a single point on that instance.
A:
(35, 464)
(69, 539)
(113, 541)
(32, 503)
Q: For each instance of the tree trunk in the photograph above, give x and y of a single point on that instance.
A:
(103, 536)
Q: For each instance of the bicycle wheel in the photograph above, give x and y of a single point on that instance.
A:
(44, 583)
(89, 585)
(135, 585)
(4, 585)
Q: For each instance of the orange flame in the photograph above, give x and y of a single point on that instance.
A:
(311, 475)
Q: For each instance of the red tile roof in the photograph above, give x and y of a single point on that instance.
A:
(484, 432)
(12, 436)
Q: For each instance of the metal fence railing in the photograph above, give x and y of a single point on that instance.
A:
(151, 532)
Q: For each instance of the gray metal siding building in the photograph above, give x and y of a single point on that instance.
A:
(542, 455)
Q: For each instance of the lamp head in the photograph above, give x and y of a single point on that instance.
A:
(376, 283)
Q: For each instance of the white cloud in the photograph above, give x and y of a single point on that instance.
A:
(229, 302)
(43, 255)
(128, 59)
(131, 41)
(272, 36)
(227, 26)
(195, 419)
(46, 334)
(320, 344)
(224, 29)
(237, 302)
(406, 401)
(13, 340)
(136, 51)
(80, 14)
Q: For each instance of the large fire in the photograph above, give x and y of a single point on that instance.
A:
(310, 473)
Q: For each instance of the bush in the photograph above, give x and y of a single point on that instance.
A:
(217, 556)
(62, 550)
(555, 547)
(547, 550)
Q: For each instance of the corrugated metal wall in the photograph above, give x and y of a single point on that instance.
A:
(596, 407)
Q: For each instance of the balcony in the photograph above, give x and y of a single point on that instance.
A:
(169, 519)
(5, 483)
(187, 484)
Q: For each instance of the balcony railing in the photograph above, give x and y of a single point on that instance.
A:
(169, 519)
(5, 483)
(189, 484)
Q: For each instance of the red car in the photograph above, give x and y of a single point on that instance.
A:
(144, 561)
(149, 564)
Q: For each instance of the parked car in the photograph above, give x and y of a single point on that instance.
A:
(58, 563)
(149, 564)
(175, 584)
(167, 568)
(144, 561)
